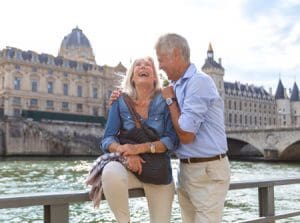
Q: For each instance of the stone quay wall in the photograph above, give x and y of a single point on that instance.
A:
(24, 137)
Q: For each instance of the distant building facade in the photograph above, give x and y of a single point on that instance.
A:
(249, 106)
(70, 83)
(73, 84)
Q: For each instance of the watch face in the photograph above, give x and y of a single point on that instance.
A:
(169, 101)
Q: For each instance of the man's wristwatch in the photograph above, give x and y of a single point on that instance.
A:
(152, 147)
(170, 101)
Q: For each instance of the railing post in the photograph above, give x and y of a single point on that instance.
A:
(56, 213)
(266, 202)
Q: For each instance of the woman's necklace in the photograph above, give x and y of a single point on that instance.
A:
(142, 108)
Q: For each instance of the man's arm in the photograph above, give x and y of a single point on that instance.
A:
(184, 136)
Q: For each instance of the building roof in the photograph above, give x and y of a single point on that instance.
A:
(295, 93)
(279, 91)
(76, 39)
(245, 88)
(211, 63)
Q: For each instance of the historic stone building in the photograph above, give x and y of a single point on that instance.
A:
(70, 86)
(249, 106)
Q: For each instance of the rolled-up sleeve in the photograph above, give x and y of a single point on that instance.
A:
(196, 104)
(112, 127)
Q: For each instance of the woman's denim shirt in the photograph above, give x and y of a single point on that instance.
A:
(120, 118)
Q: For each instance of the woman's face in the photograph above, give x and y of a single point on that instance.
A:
(143, 71)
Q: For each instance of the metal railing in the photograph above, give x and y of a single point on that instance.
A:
(56, 205)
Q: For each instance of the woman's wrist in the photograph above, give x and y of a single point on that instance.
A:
(113, 147)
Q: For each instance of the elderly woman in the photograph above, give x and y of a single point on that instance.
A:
(142, 85)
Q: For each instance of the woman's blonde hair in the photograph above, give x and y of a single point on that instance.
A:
(128, 85)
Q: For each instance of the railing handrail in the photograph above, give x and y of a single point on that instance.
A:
(49, 199)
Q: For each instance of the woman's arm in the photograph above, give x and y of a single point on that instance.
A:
(113, 125)
(135, 149)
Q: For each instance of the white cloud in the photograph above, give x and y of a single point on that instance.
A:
(259, 43)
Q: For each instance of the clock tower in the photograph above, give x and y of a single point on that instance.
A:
(215, 70)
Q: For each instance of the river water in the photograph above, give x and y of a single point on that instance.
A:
(32, 176)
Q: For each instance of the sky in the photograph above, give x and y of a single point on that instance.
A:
(258, 41)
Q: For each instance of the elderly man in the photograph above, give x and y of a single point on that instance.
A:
(197, 113)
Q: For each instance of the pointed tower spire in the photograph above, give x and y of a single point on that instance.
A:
(279, 91)
(210, 52)
(295, 93)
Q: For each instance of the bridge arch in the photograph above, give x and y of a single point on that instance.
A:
(292, 152)
(238, 148)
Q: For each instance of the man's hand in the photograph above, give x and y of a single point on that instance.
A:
(114, 96)
(127, 149)
(134, 163)
(168, 92)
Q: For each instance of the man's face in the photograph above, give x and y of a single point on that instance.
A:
(166, 63)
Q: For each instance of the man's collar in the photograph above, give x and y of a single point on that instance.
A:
(187, 74)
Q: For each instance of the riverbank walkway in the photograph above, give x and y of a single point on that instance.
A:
(56, 205)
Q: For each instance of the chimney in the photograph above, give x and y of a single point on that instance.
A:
(270, 91)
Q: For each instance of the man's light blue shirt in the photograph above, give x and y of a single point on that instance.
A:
(202, 113)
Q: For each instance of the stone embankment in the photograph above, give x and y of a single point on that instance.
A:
(24, 137)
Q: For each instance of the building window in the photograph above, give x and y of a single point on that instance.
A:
(33, 102)
(16, 101)
(229, 104)
(65, 105)
(17, 83)
(95, 92)
(95, 111)
(109, 92)
(34, 85)
(246, 120)
(50, 87)
(79, 107)
(49, 104)
(79, 91)
(229, 118)
(17, 112)
(66, 89)
(234, 105)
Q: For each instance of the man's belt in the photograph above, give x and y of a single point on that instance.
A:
(204, 159)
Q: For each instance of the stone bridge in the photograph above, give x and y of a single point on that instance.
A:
(273, 143)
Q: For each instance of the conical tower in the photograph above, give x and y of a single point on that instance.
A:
(295, 105)
(215, 70)
(283, 106)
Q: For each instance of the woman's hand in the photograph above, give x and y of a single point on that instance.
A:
(134, 163)
(127, 149)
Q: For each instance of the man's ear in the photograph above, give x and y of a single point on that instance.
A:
(176, 54)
